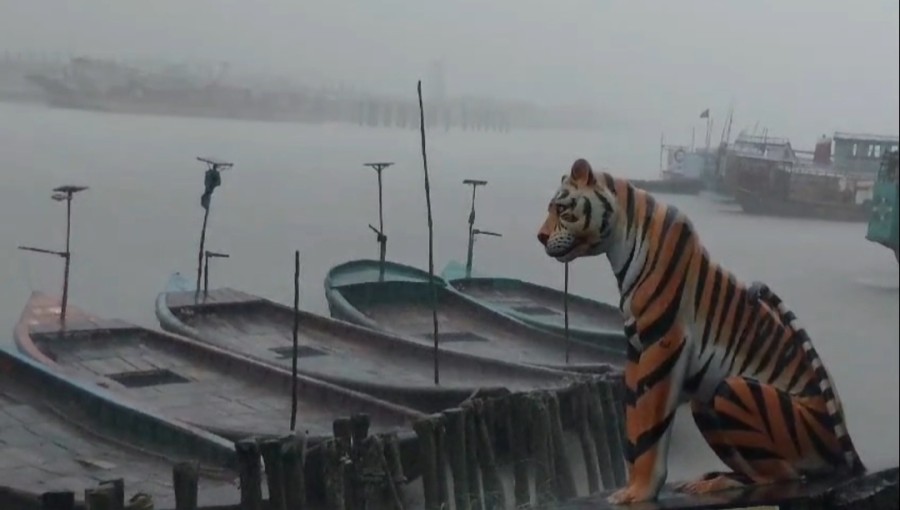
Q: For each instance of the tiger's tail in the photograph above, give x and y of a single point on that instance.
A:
(761, 291)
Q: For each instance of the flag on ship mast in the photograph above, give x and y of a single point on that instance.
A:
(704, 114)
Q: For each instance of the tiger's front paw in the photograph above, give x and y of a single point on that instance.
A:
(631, 494)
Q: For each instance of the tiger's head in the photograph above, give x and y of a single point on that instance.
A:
(580, 216)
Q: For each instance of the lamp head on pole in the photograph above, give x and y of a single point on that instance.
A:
(61, 193)
(378, 167)
(215, 164)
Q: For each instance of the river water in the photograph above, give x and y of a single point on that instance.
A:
(297, 187)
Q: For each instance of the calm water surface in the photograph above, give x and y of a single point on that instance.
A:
(302, 187)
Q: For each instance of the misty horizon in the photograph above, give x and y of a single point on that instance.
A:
(798, 70)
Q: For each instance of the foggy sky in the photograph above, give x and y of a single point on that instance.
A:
(801, 68)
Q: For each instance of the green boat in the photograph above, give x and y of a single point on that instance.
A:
(884, 219)
(399, 302)
(541, 307)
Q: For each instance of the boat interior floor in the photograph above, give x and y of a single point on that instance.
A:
(547, 308)
(44, 446)
(186, 385)
(266, 332)
(476, 334)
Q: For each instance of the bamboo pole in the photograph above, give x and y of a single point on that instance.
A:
(431, 283)
(295, 334)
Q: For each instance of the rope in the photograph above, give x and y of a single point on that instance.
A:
(566, 309)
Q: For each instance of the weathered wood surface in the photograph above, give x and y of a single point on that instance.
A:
(466, 327)
(386, 366)
(48, 445)
(187, 381)
(543, 304)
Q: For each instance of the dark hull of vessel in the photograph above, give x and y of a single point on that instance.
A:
(758, 204)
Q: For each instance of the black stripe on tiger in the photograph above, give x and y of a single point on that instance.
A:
(836, 424)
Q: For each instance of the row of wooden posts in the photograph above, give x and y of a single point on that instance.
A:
(354, 469)
(524, 430)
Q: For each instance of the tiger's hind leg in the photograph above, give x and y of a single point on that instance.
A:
(764, 434)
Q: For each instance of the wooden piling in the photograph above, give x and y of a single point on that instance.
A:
(426, 433)
(359, 432)
(544, 478)
(489, 410)
(455, 421)
(118, 488)
(185, 480)
(378, 488)
(293, 461)
(499, 422)
(333, 468)
(99, 498)
(359, 426)
(250, 471)
(598, 428)
(271, 451)
(342, 428)
(440, 441)
(612, 409)
(395, 499)
(579, 403)
(562, 466)
(393, 457)
(492, 483)
(519, 428)
(62, 500)
(370, 473)
(473, 468)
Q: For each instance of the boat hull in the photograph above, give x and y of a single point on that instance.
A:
(542, 307)
(401, 306)
(387, 367)
(757, 204)
(58, 435)
(189, 382)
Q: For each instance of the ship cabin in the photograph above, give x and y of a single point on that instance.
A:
(861, 153)
(759, 163)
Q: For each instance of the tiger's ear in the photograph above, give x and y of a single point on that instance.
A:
(582, 174)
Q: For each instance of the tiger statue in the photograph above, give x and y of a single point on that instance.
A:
(758, 390)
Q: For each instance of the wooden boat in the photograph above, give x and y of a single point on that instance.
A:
(768, 177)
(399, 303)
(58, 435)
(385, 366)
(542, 307)
(188, 381)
